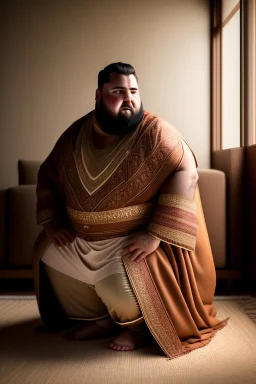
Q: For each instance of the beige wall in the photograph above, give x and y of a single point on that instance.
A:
(52, 52)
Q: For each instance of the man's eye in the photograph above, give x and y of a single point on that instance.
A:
(117, 92)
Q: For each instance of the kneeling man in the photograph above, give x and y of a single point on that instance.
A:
(124, 250)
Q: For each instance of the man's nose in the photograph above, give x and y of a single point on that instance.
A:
(127, 96)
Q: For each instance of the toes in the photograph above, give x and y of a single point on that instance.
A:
(117, 347)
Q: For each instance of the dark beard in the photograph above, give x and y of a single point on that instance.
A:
(116, 125)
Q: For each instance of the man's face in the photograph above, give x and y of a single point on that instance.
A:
(120, 96)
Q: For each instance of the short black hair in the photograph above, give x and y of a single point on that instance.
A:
(121, 68)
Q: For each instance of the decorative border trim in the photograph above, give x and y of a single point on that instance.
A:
(112, 216)
(153, 310)
(173, 236)
(183, 202)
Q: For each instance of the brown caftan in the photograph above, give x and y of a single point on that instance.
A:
(115, 192)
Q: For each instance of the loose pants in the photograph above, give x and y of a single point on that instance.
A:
(111, 294)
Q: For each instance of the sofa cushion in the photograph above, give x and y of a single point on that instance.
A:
(212, 186)
(21, 225)
(27, 171)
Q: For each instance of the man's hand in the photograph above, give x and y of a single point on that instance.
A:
(140, 245)
(59, 235)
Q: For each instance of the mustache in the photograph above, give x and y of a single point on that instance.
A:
(127, 106)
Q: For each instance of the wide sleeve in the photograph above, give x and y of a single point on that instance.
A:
(174, 219)
(50, 201)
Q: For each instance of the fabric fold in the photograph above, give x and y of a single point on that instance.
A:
(174, 221)
(175, 284)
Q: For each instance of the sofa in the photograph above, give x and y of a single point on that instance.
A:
(18, 229)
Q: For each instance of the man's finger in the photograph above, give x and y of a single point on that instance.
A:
(127, 253)
(131, 248)
(141, 257)
(69, 236)
(135, 254)
(127, 245)
(62, 243)
(56, 242)
(61, 239)
(128, 242)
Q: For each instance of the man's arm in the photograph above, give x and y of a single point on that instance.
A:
(182, 182)
(60, 234)
(51, 211)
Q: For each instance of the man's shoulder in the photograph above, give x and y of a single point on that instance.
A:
(76, 125)
(73, 130)
(160, 125)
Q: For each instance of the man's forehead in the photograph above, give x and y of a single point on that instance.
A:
(117, 79)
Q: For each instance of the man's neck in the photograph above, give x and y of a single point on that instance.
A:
(101, 139)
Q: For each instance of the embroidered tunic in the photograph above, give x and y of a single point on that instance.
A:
(107, 194)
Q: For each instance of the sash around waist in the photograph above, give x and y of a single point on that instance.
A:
(113, 223)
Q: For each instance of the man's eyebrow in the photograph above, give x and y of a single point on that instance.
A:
(133, 88)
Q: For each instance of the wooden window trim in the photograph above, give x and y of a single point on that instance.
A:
(248, 67)
(248, 72)
(244, 74)
(231, 14)
(254, 69)
(251, 15)
(216, 94)
(216, 72)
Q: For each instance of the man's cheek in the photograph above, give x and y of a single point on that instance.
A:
(112, 101)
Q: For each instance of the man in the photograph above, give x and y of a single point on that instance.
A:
(124, 249)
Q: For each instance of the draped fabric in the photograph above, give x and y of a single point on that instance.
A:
(117, 192)
(175, 288)
(174, 221)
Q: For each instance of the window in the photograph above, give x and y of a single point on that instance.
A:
(233, 73)
(230, 75)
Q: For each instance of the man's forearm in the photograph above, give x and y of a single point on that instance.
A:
(181, 183)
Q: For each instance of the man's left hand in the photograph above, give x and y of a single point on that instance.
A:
(140, 245)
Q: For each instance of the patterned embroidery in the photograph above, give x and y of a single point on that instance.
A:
(153, 310)
(139, 171)
(96, 166)
(145, 162)
(75, 194)
(173, 236)
(175, 221)
(112, 216)
(177, 214)
(173, 200)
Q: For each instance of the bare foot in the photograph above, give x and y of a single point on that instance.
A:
(127, 341)
(91, 330)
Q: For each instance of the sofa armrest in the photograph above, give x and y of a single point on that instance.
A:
(212, 187)
(22, 230)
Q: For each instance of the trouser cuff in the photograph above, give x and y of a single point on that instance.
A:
(135, 325)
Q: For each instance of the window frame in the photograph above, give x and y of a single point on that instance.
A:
(248, 72)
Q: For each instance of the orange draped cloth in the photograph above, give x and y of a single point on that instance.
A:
(117, 191)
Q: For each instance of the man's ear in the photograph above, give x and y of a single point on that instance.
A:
(97, 96)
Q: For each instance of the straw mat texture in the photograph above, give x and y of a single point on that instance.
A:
(28, 355)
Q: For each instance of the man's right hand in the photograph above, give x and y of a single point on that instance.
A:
(60, 235)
